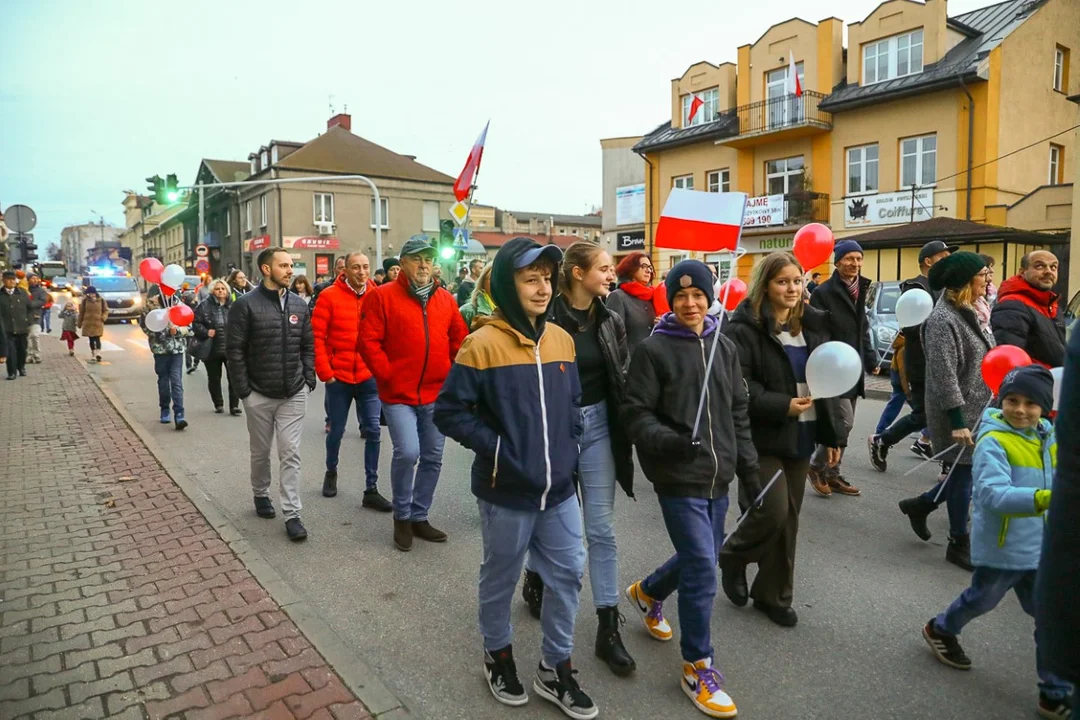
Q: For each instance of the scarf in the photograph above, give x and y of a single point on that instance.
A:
(853, 289)
(655, 295)
(982, 311)
(422, 291)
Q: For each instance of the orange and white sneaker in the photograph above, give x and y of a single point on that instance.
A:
(651, 611)
(703, 684)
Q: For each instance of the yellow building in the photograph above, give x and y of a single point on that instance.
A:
(910, 121)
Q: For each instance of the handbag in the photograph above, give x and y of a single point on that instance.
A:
(201, 348)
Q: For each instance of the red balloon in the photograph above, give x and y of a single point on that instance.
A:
(181, 315)
(999, 362)
(166, 291)
(813, 245)
(150, 270)
(736, 292)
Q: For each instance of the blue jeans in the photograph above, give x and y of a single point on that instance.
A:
(46, 319)
(553, 540)
(170, 382)
(894, 405)
(988, 587)
(596, 474)
(415, 438)
(696, 529)
(340, 396)
(957, 499)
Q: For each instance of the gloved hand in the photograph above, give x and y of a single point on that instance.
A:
(752, 486)
(1042, 500)
(681, 448)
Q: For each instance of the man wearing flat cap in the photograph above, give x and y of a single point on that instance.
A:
(16, 317)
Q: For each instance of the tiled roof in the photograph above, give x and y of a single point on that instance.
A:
(228, 170)
(666, 136)
(986, 28)
(339, 151)
(588, 220)
(497, 240)
(944, 228)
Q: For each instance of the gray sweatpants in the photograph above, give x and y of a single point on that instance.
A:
(33, 344)
(283, 419)
(845, 412)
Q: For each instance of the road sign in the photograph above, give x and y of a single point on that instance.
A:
(201, 251)
(461, 238)
(20, 218)
(459, 211)
(202, 265)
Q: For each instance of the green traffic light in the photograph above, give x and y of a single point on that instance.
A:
(173, 196)
(447, 253)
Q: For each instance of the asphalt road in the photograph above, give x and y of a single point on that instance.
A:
(864, 587)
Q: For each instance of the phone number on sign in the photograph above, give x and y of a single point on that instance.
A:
(763, 219)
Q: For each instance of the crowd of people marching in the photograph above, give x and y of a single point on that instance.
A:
(552, 380)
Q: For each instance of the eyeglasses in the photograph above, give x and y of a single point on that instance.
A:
(987, 273)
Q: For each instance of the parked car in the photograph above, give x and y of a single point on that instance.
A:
(121, 294)
(61, 284)
(881, 314)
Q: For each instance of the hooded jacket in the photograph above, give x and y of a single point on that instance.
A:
(1028, 317)
(1010, 465)
(478, 306)
(847, 322)
(335, 320)
(771, 380)
(663, 386)
(407, 344)
(270, 349)
(514, 399)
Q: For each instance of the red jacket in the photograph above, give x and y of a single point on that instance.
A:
(409, 348)
(336, 322)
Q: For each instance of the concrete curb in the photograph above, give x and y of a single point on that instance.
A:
(357, 675)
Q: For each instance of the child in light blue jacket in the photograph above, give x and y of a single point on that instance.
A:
(1013, 471)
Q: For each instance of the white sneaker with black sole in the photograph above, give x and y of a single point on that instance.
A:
(502, 677)
(559, 686)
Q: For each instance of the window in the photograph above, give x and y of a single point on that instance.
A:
(893, 57)
(707, 113)
(784, 176)
(783, 108)
(718, 181)
(324, 207)
(862, 169)
(1057, 164)
(683, 182)
(384, 213)
(1061, 69)
(262, 211)
(254, 166)
(918, 161)
(573, 231)
(431, 216)
(247, 216)
(274, 155)
(264, 159)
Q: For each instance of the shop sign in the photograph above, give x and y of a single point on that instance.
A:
(311, 242)
(888, 208)
(764, 211)
(256, 244)
(629, 241)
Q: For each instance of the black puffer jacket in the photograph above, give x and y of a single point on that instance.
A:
(212, 315)
(667, 372)
(771, 380)
(270, 351)
(914, 356)
(1029, 318)
(847, 321)
(612, 335)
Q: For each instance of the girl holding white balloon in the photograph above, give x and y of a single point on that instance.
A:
(782, 343)
(167, 333)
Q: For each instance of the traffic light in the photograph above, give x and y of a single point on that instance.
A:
(29, 249)
(172, 191)
(447, 251)
(155, 188)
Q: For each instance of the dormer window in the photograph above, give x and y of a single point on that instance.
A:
(274, 155)
(707, 111)
(254, 165)
(264, 159)
(894, 57)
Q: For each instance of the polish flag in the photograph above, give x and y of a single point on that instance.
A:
(794, 87)
(695, 105)
(701, 221)
(464, 183)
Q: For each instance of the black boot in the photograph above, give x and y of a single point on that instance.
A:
(609, 644)
(959, 552)
(532, 592)
(917, 510)
(733, 581)
(329, 483)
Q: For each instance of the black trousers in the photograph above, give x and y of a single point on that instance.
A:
(214, 367)
(913, 422)
(95, 342)
(15, 350)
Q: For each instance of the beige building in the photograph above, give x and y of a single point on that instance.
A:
(623, 208)
(586, 227)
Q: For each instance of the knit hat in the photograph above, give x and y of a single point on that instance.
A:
(845, 247)
(955, 271)
(690, 273)
(1031, 381)
(389, 263)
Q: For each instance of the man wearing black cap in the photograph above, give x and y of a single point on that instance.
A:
(843, 296)
(914, 363)
(15, 320)
(410, 332)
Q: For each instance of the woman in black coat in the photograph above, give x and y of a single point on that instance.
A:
(775, 332)
(208, 327)
(636, 300)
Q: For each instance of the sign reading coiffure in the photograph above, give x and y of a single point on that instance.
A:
(310, 242)
(629, 241)
(888, 208)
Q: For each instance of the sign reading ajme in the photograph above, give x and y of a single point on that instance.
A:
(888, 208)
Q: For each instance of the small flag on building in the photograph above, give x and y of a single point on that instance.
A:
(794, 87)
(464, 183)
(695, 105)
(701, 221)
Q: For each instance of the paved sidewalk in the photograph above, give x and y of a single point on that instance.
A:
(117, 598)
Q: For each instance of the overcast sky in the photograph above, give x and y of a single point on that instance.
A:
(98, 95)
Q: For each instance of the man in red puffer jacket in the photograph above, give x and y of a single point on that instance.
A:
(1026, 312)
(336, 323)
(410, 332)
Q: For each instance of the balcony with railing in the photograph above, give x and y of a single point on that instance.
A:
(805, 206)
(789, 116)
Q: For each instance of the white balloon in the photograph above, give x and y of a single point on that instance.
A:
(913, 307)
(157, 320)
(172, 276)
(833, 369)
(1058, 373)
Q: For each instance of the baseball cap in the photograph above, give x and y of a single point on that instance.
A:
(527, 258)
(934, 247)
(417, 245)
